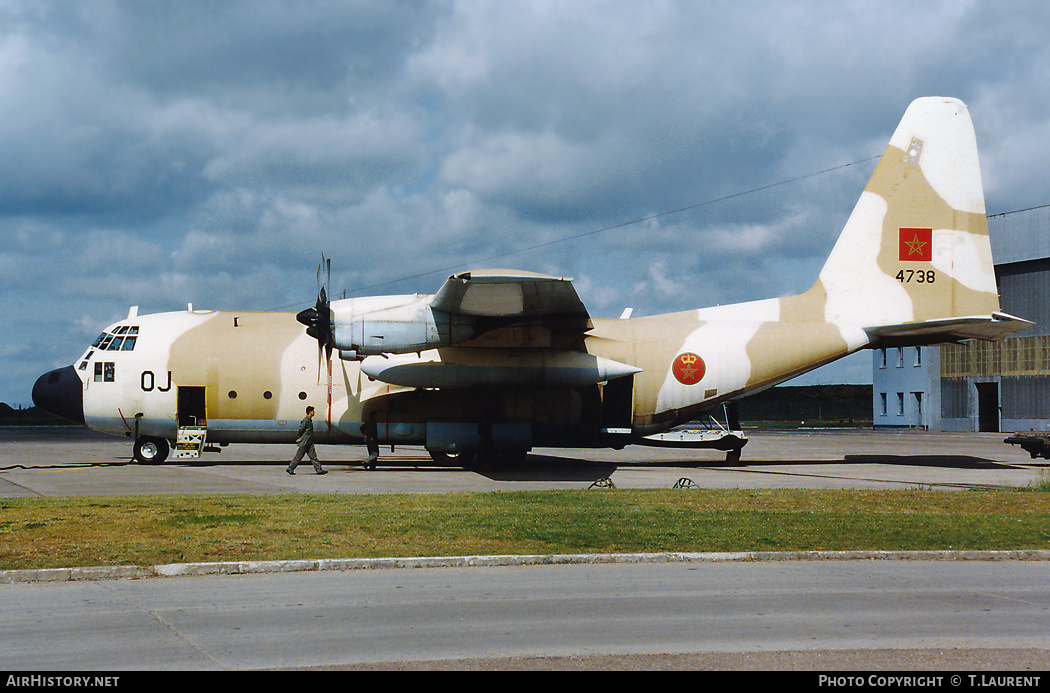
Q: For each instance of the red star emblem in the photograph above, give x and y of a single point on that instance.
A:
(915, 245)
(688, 368)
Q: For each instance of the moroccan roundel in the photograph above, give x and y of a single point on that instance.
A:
(688, 368)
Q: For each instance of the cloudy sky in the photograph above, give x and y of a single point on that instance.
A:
(164, 153)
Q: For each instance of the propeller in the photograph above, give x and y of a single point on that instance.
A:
(318, 321)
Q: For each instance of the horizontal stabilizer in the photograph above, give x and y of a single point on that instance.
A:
(991, 327)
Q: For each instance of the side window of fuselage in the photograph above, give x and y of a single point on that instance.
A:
(105, 372)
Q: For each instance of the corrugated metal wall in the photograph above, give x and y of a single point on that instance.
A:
(1014, 356)
(1025, 397)
(1024, 291)
(955, 400)
(1020, 236)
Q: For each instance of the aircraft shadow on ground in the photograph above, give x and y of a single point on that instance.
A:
(552, 468)
(939, 461)
(943, 461)
(548, 468)
(534, 468)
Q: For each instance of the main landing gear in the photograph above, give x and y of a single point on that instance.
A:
(714, 434)
(471, 460)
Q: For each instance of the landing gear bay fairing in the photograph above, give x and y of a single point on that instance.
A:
(500, 362)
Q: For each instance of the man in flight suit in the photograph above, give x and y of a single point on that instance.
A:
(370, 430)
(306, 444)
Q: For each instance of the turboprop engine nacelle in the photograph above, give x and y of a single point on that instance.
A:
(394, 325)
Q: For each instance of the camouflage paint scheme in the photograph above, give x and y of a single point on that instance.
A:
(913, 265)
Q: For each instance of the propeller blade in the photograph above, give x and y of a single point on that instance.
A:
(324, 327)
(318, 321)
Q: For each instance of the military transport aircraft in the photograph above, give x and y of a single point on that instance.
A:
(499, 362)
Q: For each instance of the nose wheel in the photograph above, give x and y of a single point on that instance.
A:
(150, 450)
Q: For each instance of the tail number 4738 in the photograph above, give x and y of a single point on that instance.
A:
(907, 276)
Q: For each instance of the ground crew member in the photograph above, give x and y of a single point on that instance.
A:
(306, 444)
(370, 429)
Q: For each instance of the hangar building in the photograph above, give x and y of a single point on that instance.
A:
(978, 385)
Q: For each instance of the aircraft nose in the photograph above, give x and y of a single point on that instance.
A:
(61, 393)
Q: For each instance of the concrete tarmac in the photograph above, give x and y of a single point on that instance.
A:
(959, 613)
(72, 461)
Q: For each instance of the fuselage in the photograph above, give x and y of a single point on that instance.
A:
(248, 376)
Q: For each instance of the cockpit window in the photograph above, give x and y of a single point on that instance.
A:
(122, 338)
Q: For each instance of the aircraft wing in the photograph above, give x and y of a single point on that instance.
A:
(470, 304)
(508, 296)
(991, 327)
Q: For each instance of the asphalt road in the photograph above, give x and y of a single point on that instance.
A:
(826, 615)
(814, 615)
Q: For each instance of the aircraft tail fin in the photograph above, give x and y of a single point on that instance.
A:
(915, 250)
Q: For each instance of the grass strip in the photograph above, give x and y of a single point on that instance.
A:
(151, 530)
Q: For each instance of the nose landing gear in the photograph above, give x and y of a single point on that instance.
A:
(149, 450)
